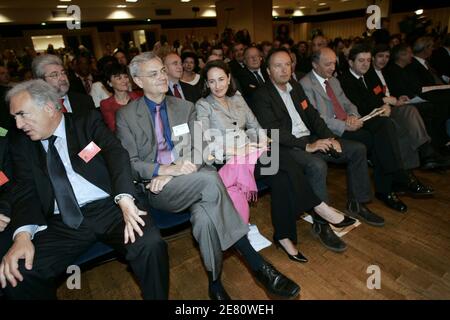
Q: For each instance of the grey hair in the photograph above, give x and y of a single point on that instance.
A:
(40, 91)
(40, 62)
(421, 44)
(135, 64)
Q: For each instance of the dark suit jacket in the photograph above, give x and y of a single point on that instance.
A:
(248, 81)
(271, 112)
(81, 103)
(375, 84)
(191, 93)
(363, 98)
(5, 119)
(5, 166)
(419, 76)
(235, 68)
(109, 170)
(440, 60)
(76, 85)
(397, 80)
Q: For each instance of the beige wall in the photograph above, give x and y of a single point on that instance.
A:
(197, 33)
(356, 26)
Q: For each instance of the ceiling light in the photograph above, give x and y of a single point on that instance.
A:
(418, 12)
(148, 20)
(298, 13)
(62, 6)
(65, 0)
(209, 13)
(212, 6)
(322, 4)
(302, 7)
(131, 0)
(120, 14)
(122, 6)
(185, 0)
(43, 24)
(276, 7)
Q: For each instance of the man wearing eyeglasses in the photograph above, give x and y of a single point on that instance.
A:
(158, 133)
(51, 69)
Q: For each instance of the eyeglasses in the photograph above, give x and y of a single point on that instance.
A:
(153, 74)
(56, 74)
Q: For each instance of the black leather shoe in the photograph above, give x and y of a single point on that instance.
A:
(437, 162)
(218, 294)
(361, 212)
(415, 188)
(344, 223)
(276, 283)
(327, 237)
(392, 201)
(299, 257)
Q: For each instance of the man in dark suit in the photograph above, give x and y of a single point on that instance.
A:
(51, 69)
(177, 88)
(361, 93)
(237, 64)
(402, 82)
(406, 115)
(283, 106)
(81, 81)
(253, 75)
(440, 59)
(73, 187)
(5, 201)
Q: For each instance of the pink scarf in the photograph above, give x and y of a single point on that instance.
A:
(238, 177)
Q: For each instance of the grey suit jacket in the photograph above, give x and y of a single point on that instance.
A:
(237, 124)
(320, 100)
(135, 129)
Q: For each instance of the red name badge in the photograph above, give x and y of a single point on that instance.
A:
(377, 90)
(3, 178)
(89, 152)
(304, 104)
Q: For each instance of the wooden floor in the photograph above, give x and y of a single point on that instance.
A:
(412, 251)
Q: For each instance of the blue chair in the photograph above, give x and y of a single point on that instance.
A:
(167, 222)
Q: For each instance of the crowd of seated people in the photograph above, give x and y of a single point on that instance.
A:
(75, 137)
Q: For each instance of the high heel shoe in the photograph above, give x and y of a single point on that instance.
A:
(299, 257)
(344, 223)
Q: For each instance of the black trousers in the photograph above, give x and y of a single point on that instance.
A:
(379, 137)
(435, 114)
(58, 246)
(291, 195)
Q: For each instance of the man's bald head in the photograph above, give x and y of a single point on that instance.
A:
(324, 62)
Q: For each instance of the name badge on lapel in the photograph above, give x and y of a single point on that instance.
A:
(180, 129)
(3, 132)
(304, 104)
(89, 152)
(3, 178)
(377, 90)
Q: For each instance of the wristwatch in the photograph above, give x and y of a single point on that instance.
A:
(122, 195)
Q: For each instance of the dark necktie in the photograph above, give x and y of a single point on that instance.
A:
(65, 197)
(361, 79)
(176, 92)
(258, 77)
(63, 108)
(338, 110)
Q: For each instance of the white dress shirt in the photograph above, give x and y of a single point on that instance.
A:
(299, 128)
(321, 80)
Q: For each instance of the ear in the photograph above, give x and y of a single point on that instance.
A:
(138, 81)
(350, 63)
(268, 71)
(51, 109)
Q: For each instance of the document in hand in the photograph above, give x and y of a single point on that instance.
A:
(375, 112)
(432, 88)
